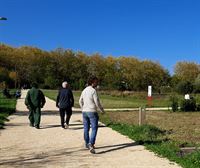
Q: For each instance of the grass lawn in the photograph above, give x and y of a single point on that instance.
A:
(7, 107)
(181, 126)
(165, 133)
(119, 101)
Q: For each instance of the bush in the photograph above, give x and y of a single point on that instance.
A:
(165, 89)
(174, 103)
(188, 105)
(198, 107)
(197, 84)
(51, 83)
(184, 87)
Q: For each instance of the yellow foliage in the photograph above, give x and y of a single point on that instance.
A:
(13, 75)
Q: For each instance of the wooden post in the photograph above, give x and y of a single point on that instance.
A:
(142, 116)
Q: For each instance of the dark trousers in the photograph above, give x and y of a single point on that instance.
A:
(68, 112)
(35, 116)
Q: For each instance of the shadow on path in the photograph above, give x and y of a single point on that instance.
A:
(51, 157)
(39, 159)
(43, 113)
(116, 147)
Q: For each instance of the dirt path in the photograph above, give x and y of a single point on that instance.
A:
(53, 147)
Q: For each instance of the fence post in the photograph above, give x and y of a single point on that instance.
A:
(142, 116)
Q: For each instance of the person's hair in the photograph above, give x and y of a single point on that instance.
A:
(34, 84)
(64, 84)
(91, 80)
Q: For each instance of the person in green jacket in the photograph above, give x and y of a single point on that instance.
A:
(34, 101)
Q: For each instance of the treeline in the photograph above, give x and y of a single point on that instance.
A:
(24, 65)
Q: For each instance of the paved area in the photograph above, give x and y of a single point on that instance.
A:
(51, 146)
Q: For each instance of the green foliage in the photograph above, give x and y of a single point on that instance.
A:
(184, 87)
(187, 71)
(50, 83)
(188, 105)
(174, 103)
(198, 107)
(81, 84)
(49, 69)
(197, 84)
(26, 64)
(7, 107)
(3, 118)
(165, 89)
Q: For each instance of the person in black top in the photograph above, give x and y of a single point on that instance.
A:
(65, 102)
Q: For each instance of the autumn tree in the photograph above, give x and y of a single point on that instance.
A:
(187, 71)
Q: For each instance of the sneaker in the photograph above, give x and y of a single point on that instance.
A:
(92, 149)
(31, 125)
(63, 126)
(87, 146)
(66, 126)
(37, 127)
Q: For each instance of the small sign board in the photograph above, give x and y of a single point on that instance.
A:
(149, 91)
(187, 97)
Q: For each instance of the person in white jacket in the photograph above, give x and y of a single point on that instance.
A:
(89, 102)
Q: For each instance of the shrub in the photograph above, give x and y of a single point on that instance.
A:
(197, 84)
(184, 87)
(51, 83)
(188, 105)
(165, 89)
(198, 107)
(174, 103)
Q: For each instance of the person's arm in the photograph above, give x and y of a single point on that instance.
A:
(27, 102)
(72, 98)
(43, 101)
(81, 101)
(97, 101)
(57, 100)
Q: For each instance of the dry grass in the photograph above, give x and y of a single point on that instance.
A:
(184, 127)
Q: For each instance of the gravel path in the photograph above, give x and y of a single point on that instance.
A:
(53, 147)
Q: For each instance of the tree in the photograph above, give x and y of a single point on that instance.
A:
(130, 72)
(187, 71)
(184, 87)
(50, 68)
(197, 84)
(153, 74)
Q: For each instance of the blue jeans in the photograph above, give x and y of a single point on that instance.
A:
(90, 118)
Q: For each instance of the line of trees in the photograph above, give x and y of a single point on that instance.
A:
(24, 65)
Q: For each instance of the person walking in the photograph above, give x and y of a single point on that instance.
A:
(65, 102)
(34, 101)
(89, 102)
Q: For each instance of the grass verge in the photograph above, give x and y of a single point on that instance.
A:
(156, 140)
(7, 107)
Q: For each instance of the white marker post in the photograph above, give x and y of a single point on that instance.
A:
(149, 98)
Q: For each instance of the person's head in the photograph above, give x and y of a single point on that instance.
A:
(65, 84)
(93, 81)
(35, 85)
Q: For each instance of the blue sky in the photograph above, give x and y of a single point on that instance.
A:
(165, 31)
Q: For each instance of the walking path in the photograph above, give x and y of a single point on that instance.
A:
(51, 146)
